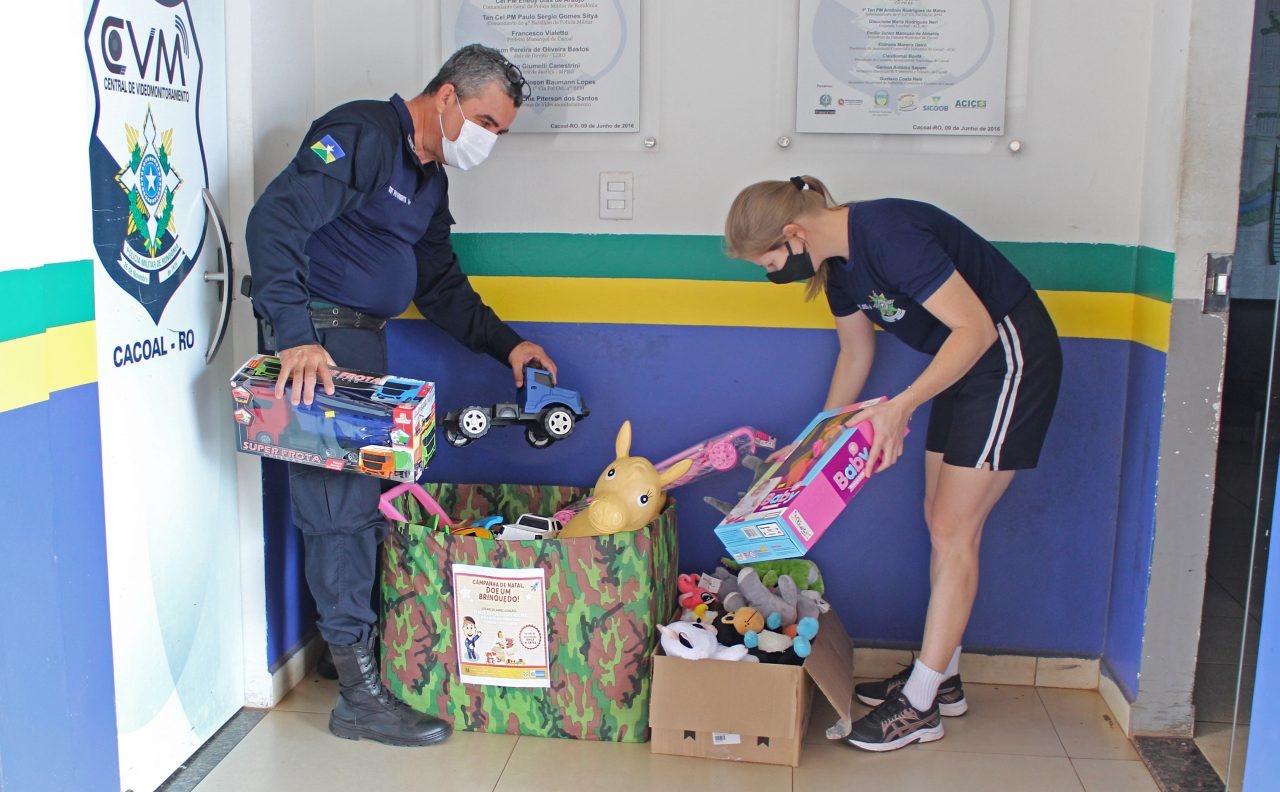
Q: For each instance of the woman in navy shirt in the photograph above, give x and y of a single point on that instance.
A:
(923, 276)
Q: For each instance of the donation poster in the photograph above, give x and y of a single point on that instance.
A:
(905, 67)
(500, 626)
(581, 58)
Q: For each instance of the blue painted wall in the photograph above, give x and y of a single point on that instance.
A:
(1135, 524)
(1048, 546)
(291, 612)
(56, 683)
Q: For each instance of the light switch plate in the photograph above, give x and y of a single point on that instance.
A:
(617, 195)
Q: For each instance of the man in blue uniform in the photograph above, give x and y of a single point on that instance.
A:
(353, 230)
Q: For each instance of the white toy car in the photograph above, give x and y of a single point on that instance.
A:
(530, 526)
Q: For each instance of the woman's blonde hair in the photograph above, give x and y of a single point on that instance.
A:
(759, 213)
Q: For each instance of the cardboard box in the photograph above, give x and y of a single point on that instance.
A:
(796, 499)
(605, 597)
(750, 712)
(374, 424)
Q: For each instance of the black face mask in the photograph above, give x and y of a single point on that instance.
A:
(799, 266)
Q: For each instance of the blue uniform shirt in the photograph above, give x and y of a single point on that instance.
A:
(355, 219)
(900, 253)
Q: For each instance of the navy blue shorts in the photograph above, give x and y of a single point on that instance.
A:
(998, 413)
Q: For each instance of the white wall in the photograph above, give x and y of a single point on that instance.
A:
(718, 87)
(270, 104)
(42, 173)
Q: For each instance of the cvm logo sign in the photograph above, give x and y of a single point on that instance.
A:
(146, 157)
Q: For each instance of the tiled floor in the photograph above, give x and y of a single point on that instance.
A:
(1014, 738)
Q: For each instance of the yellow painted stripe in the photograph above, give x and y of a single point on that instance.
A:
(26, 358)
(73, 355)
(1151, 320)
(1078, 314)
(59, 358)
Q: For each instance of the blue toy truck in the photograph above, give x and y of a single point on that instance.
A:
(547, 412)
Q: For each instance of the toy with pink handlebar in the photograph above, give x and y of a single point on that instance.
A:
(716, 454)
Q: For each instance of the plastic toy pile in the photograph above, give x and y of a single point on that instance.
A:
(765, 612)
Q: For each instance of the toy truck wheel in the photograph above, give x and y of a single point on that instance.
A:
(535, 437)
(473, 423)
(456, 440)
(264, 438)
(558, 423)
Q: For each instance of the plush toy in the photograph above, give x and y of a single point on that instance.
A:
(770, 642)
(627, 496)
(727, 589)
(693, 641)
(699, 613)
(811, 605)
(745, 620)
(804, 572)
(759, 596)
(691, 594)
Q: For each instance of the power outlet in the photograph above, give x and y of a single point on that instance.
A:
(617, 195)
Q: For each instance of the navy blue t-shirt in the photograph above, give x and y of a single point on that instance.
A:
(900, 253)
(356, 220)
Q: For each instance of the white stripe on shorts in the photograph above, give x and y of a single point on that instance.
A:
(1008, 393)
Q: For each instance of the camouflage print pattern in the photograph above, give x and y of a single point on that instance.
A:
(605, 597)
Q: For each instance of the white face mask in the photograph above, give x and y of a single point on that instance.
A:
(472, 146)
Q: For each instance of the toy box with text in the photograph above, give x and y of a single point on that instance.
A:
(750, 712)
(374, 424)
(798, 496)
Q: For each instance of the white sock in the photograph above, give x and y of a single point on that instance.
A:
(922, 686)
(953, 667)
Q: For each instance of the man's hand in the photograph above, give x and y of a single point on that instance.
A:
(304, 364)
(527, 352)
(888, 426)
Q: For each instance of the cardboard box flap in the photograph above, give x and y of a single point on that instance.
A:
(831, 667)
(768, 704)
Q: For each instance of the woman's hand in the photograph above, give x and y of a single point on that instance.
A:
(780, 453)
(888, 428)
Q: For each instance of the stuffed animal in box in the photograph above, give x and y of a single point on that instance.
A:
(693, 595)
(627, 496)
(695, 641)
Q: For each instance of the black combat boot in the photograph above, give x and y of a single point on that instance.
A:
(366, 708)
(324, 666)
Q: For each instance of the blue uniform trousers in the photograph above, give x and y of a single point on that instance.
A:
(338, 513)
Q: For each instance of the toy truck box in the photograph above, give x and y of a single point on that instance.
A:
(797, 498)
(375, 424)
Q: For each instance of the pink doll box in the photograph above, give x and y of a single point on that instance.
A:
(799, 496)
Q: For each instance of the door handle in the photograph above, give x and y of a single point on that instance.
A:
(223, 275)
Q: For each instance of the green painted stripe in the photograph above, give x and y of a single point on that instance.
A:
(22, 308)
(1055, 266)
(32, 300)
(1074, 266)
(601, 256)
(1155, 274)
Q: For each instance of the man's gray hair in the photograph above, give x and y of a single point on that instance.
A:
(473, 67)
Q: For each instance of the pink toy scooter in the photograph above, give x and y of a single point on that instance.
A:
(714, 455)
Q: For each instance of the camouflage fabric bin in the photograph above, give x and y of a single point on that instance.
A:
(605, 597)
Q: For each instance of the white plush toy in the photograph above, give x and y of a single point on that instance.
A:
(696, 641)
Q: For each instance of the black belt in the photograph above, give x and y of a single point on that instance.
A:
(326, 315)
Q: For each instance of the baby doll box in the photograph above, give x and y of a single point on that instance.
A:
(750, 712)
(797, 498)
(605, 597)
